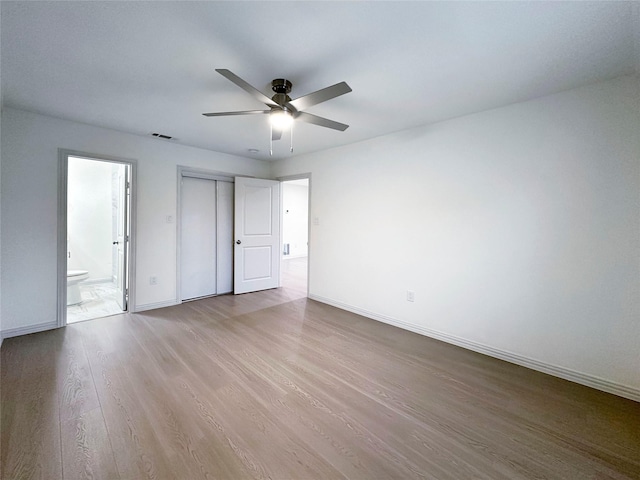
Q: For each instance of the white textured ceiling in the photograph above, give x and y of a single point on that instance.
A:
(145, 67)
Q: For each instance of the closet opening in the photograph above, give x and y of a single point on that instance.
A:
(205, 234)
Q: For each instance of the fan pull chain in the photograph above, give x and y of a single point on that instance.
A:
(291, 137)
(271, 139)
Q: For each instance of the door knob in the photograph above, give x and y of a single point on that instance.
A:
(238, 242)
(115, 243)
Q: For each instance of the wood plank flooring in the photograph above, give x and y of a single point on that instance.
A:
(273, 385)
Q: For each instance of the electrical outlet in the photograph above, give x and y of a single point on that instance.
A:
(411, 296)
(153, 280)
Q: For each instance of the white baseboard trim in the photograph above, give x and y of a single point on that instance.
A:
(16, 332)
(555, 370)
(153, 306)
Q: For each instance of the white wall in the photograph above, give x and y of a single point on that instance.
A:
(90, 218)
(29, 208)
(517, 228)
(1, 109)
(295, 230)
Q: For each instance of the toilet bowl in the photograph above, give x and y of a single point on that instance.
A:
(74, 277)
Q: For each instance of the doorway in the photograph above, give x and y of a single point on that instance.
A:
(295, 235)
(94, 252)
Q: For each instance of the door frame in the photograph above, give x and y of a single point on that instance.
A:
(63, 177)
(288, 178)
(191, 172)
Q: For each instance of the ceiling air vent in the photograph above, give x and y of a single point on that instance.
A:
(159, 135)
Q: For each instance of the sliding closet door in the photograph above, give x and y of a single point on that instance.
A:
(225, 237)
(198, 238)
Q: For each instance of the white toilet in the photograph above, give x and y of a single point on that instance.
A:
(74, 277)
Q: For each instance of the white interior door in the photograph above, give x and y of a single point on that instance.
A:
(257, 235)
(198, 267)
(122, 237)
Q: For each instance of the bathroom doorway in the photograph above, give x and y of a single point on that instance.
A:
(97, 208)
(295, 235)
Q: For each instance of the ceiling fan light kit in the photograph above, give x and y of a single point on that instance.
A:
(282, 109)
(280, 119)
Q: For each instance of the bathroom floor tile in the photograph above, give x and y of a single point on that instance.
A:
(98, 301)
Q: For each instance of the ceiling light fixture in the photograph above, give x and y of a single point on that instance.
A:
(280, 119)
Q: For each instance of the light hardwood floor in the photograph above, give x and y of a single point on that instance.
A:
(272, 385)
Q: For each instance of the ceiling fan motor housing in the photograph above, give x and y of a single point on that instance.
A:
(281, 86)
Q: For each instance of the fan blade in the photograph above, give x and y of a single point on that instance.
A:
(306, 101)
(246, 87)
(276, 134)
(323, 122)
(245, 112)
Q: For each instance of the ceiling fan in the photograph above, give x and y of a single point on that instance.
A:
(282, 109)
